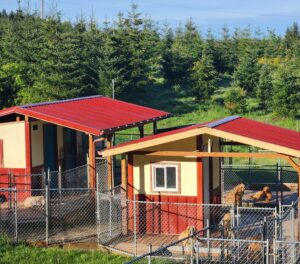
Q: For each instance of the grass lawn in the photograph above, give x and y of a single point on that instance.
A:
(22, 253)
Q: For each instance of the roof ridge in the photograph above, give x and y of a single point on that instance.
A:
(60, 101)
(222, 121)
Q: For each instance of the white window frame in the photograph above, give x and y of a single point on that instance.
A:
(165, 166)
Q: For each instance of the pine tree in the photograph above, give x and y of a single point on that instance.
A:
(204, 77)
(286, 98)
(265, 88)
(246, 75)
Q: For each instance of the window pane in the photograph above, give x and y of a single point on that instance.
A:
(171, 177)
(160, 179)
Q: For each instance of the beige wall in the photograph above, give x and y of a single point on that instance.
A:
(14, 148)
(188, 168)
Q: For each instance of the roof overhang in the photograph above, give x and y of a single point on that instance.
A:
(136, 145)
(94, 115)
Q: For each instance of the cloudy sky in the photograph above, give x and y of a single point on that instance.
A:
(214, 14)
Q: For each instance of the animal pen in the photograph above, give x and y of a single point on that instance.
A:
(133, 227)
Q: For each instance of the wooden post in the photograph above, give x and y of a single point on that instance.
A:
(124, 174)
(109, 164)
(141, 129)
(28, 145)
(92, 173)
(154, 127)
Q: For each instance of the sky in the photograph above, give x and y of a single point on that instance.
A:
(207, 14)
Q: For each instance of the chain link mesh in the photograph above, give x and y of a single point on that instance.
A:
(287, 252)
(281, 181)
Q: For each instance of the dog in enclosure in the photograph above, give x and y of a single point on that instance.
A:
(187, 232)
(258, 195)
(265, 194)
(227, 224)
(235, 196)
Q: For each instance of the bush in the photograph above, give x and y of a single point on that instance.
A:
(235, 100)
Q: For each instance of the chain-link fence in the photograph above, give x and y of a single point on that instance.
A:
(199, 247)
(281, 181)
(102, 172)
(286, 252)
(52, 207)
(130, 225)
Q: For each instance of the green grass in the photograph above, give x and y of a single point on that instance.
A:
(22, 253)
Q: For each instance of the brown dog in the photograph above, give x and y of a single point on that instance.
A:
(227, 224)
(258, 195)
(265, 194)
(187, 232)
(235, 196)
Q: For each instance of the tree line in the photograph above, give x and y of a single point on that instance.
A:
(49, 59)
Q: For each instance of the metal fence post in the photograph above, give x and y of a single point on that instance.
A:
(134, 226)
(192, 245)
(110, 216)
(208, 236)
(150, 251)
(280, 220)
(275, 223)
(97, 209)
(267, 251)
(47, 206)
(264, 226)
(59, 182)
(16, 214)
(293, 222)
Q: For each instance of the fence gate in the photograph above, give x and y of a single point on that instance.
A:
(109, 207)
(9, 214)
(102, 174)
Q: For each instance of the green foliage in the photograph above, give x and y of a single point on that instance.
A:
(22, 253)
(247, 73)
(48, 59)
(286, 98)
(235, 100)
(204, 78)
(265, 88)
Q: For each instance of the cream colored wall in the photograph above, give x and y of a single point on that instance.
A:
(188, 168)
(37, 145)
(14, 147)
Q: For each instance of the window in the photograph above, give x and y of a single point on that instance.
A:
(165, 177)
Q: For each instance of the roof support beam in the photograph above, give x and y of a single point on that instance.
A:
(192, 154)
(92, 171)
(109, 144)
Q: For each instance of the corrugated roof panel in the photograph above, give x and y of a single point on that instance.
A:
(91, 114)
(262, 131)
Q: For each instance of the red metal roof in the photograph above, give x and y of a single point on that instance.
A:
(242, 127)
(263, 132)
(94, 114)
